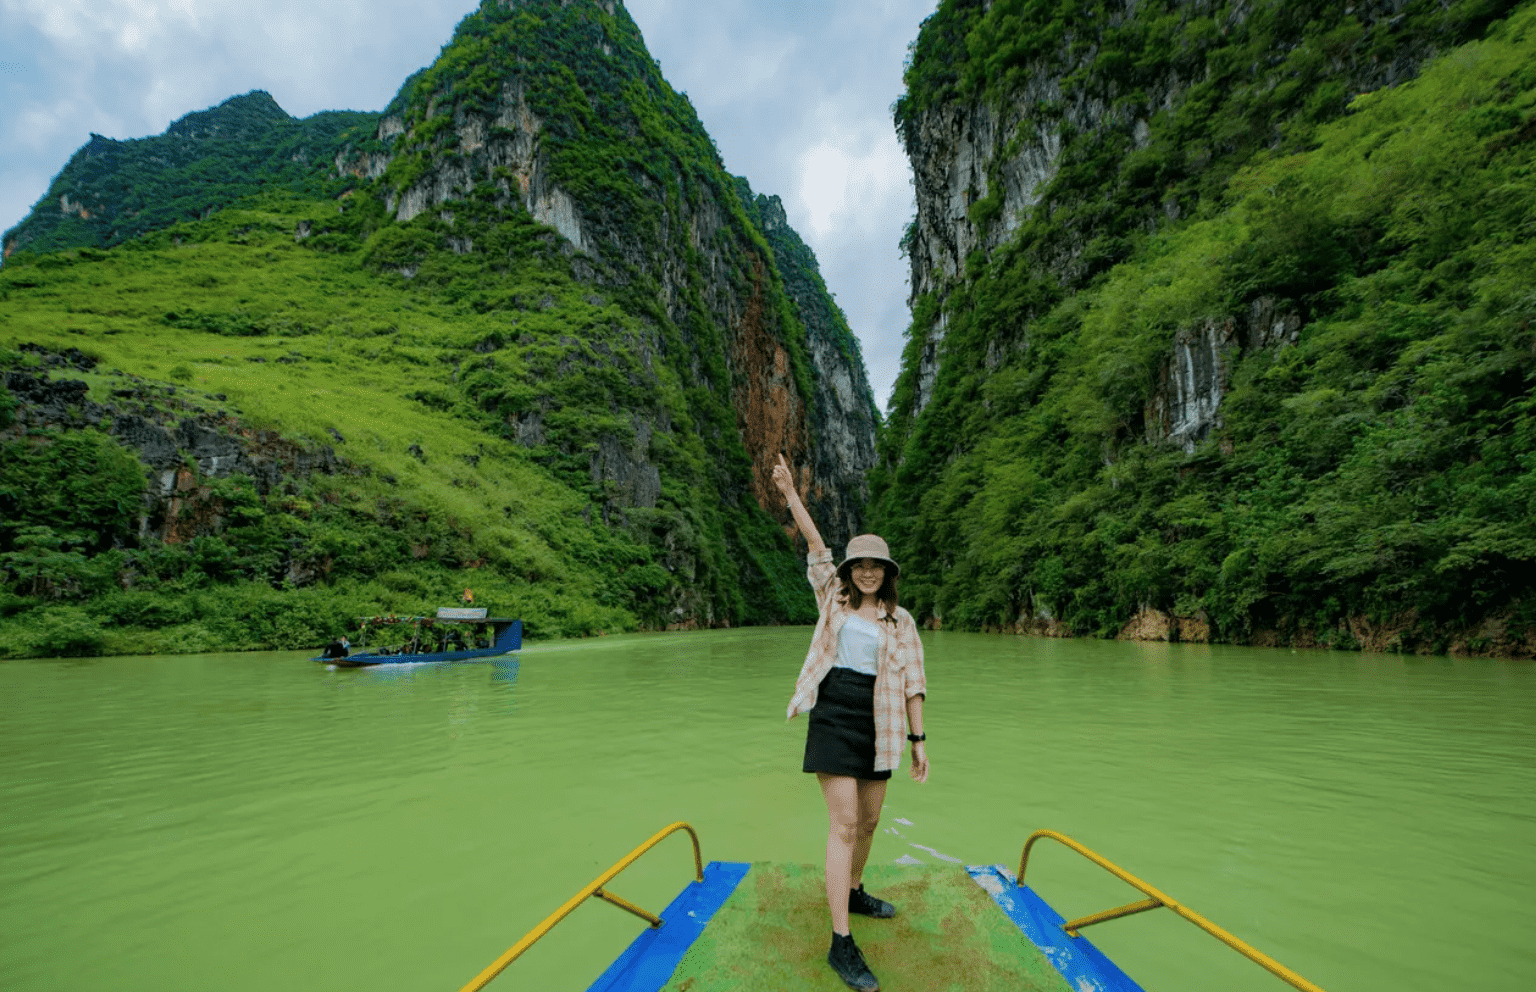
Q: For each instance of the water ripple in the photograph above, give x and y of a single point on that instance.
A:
(1365, 819)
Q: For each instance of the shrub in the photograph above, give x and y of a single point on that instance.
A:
(55, 632)
(78, 483)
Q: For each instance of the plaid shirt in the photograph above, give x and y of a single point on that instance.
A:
(898, 678)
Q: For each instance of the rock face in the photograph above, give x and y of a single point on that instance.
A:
(1156, 625)
(181, 452)
(980, 165)
(1186, 405)
(972, 152)
(957, 158)
(842, 417)
(1138, 302)
(676, 225)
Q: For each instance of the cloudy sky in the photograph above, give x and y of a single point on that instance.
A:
(796, 93)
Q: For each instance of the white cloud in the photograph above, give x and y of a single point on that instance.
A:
(851, 199)
(131, 26)
(849, 184)
(823, 191)
(39, 126)
(742, 76)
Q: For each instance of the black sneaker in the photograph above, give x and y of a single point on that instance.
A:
(864, 904)
(848, 961)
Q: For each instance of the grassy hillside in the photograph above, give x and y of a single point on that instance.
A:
(1377, 478)
(304, 338)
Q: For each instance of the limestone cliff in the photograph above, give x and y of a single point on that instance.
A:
(1139, 295)
(610, 307)
(666, 223)
(983, 163)
(843, 418)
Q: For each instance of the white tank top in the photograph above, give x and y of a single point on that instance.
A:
(858, 645)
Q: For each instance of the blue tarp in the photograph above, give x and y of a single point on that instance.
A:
(648, 963)
(1084, 966)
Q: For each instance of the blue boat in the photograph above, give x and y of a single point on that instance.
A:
(761, 925)
(454, 634)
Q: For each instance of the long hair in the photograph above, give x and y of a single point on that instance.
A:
(886, 594)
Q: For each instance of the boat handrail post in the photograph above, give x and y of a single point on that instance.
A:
(1155, 900)
(593, 890)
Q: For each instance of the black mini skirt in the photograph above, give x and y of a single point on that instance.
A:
(841, 737)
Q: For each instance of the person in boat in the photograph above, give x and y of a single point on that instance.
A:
(863, 685)
(336, 649)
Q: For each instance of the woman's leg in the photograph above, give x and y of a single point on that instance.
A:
(871, 795)
(842, 795)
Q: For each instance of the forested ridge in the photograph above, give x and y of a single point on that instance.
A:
(507, 334)
(112, 191)
(1353, 268)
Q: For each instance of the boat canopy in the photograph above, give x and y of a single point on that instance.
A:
(444, 615)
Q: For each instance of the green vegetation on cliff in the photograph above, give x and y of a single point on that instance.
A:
(463, 398)
(633, 152)
(1381, 464)
(113, 191)
(1249, 77)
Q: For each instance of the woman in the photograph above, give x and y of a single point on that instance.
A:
(864, 668)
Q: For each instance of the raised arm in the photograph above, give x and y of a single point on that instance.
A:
(786, 483)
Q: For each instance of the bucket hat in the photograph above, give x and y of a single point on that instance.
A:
(869, 546)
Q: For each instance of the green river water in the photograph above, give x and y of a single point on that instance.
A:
(255, 821)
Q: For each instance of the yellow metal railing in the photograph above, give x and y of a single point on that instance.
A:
(594, 890)
(1155, 900)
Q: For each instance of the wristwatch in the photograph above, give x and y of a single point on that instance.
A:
(914, 738)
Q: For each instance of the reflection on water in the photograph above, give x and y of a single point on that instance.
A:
(1365, 819)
